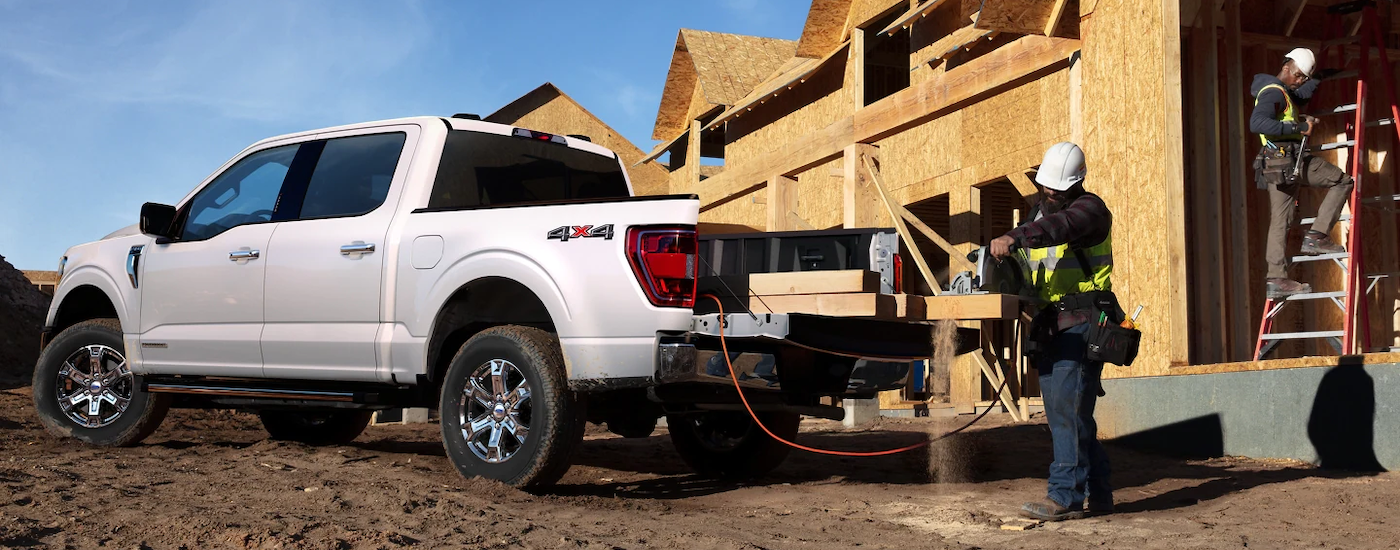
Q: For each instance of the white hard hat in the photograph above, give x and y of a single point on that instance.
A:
(1303, 59)
(1062, 167)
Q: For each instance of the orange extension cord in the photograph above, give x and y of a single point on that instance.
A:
(770, 433)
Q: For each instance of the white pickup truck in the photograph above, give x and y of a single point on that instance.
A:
(506, 277)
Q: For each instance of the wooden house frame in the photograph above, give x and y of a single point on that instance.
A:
(1155, 91)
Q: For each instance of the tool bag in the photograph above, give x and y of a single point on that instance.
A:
(1107, 340)
(1274, 166)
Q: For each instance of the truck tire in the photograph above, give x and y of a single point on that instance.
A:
(315, 427)
(507, 411)
(84, 389)
(730, 445)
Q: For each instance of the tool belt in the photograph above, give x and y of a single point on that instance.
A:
(1274, 165)
(1107, 341)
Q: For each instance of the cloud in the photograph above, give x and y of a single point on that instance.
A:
(258, 60)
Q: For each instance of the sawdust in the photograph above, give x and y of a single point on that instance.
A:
(945, 345)
(957, 458)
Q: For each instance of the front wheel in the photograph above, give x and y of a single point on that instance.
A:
(507, 411)
(730, 445)
(84, 389)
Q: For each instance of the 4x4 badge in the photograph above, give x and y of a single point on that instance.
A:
(564, 233)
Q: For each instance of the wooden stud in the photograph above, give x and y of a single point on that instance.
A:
(1076, 102)
(782, 200)
(691, 179)
(996, 379)
(1174, 168)
(1056, 12)
(861, 203)
(1240, 318)
(857, 62)
(798, 223)
(1207, 235)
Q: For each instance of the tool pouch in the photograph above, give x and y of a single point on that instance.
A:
(1273, 166)
(1112, 343)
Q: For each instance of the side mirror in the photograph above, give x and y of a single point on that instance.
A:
(158, 220)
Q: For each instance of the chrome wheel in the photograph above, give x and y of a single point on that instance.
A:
(94, 386)
(495, 411)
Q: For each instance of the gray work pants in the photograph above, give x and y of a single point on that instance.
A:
(1282, 201)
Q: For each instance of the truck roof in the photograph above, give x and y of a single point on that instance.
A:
(452, 124)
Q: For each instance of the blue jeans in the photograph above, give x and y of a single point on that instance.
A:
(1069, 384)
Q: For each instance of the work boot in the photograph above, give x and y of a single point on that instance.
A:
(1049, 510)
(1282, 288)
(1316, 243)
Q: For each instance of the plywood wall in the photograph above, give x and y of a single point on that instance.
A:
(1133, 142)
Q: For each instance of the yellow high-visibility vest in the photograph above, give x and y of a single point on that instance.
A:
(1056, 271)
(1289, 115)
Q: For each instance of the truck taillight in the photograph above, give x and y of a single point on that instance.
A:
(665, 262)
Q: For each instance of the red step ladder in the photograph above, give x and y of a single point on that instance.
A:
(1351, 299)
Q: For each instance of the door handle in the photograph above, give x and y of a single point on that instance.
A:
(243, 255)
(356, 248)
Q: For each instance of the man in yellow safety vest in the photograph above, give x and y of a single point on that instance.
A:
(1069, 249)
(1281, 127)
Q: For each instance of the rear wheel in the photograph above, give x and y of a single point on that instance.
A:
(83, 388)
(507, 411)
(729, 444)
(315, 427)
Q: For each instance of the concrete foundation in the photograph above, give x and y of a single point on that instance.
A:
(401, 416)
(860, 412)
(1346, 416)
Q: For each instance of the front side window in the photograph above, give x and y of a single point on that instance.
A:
(352, 176)
(245, 193)
(480, 169)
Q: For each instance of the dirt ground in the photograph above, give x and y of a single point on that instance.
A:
(211, 479)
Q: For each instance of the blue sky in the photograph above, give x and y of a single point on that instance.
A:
(105, 105)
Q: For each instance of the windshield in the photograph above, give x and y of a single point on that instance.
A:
(479, 169)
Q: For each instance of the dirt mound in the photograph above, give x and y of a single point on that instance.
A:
(22, 310)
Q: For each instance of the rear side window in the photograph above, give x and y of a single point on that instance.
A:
(480, 169)
(352, 176)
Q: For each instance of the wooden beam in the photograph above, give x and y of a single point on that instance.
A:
(1076, 101)
(861, 205)
(1293, 19)
(814, 282)
(1286, 43)
(782, 200)
(1056, 12)
(691, 170)
(1240, 318)
(1189, 10)
(857, 61)
(866, 304)
(899, 226)
(1009, 64)
(1173, 155)
(995, 378)
(798, 223)
(1207, 232)
(811, 150)
(1025, 185)
(951, 307)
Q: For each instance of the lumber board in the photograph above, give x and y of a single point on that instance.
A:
(1179, 347)
(971, 307)
(1014, 62)
(861, 205)
(1297, 14)
(1286, 43)
(814, 282)
(1240, 315)
(865, 304)
(799, 155)
(1005, 394)
(1207, 233)
(1056, 12)
(782, 201)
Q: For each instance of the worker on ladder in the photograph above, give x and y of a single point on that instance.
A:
(1069, 251)
(1283, 166)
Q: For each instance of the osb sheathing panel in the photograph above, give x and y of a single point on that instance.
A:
(560, 115)
(826, 20)
(820, 195)
(730, 65)
(743, 210)
(676, 95)
(862, 11)
(811, 106)
(1131, 70)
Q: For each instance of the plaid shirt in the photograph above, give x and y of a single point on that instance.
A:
(1084, 223)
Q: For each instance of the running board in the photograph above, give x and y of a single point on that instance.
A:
(251, 391)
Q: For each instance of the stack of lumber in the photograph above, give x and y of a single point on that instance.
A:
(855, 293)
